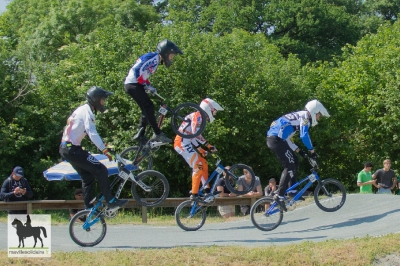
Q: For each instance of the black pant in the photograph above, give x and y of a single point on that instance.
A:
(136, 91)
(89, 168)
(287, 158)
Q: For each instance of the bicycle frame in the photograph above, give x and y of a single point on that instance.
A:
(215, 174)
(310, 178)
(125, 175)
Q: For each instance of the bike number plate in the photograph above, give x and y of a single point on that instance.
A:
(219, 170)
(124, 175)
(312, 177)
(162, 111)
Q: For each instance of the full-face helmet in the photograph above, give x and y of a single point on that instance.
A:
(210, 107)
(165, 48)
(315, 107)
(94, 96)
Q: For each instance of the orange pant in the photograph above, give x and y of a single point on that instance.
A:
(196, 162)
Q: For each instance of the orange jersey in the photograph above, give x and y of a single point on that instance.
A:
(190, 128)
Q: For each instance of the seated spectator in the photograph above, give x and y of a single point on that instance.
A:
(269, 190)
(16, 188)
(78, 194)
(227, 210)
(243, 184)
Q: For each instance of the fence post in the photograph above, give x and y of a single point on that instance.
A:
(29, 208)
(144, 214)
(252, 200)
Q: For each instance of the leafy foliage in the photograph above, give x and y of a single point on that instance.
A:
(240, 53)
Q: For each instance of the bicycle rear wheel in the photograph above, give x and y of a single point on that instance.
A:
(190, 216)
(330, 195)
(235, 173)
(178, 120)
(91, 236)
(144, 160)
(151, 189)
(263, 216)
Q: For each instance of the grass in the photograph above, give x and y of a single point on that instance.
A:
(359, 251)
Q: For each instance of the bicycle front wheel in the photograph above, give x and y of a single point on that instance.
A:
(151, 188)
(265, 214)
(235, 173)
(178, 120)
(144, 161)
(190, 216)
(330, 195)
(85, 235)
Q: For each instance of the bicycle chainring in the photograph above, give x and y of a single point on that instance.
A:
(110, 213)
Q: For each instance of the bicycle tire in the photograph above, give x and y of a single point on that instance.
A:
(87, 238)
(158, 184)
(262, 220)
(190, 222)
(232, 177)
(336, 198)
(129, 154)
(183, 110)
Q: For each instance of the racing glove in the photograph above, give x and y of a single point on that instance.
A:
(108, 152)
(302, 154)
(202, 152)
(150, 89)
(314, 156)
(211, 147)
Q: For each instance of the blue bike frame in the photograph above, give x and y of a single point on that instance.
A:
(217, 173)
(311, 179)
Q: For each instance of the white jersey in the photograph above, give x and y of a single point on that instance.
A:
(80, 124)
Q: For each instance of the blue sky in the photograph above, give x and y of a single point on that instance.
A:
(3, 4)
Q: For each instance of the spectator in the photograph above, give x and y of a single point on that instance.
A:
(364, 179)
(385, 178)
(398, 185)
(269, 190)
(228, 210)
(78, 194)
(16, 188)
(243, 184)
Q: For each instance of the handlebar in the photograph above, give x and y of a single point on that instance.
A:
(159, 96)
(313, 163)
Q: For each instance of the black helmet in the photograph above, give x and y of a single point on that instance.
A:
(94, 95)
(165, 48)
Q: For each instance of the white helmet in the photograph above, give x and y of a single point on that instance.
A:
(315, 107)
(210, 107)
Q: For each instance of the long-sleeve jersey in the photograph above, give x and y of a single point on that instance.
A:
(286, 126)
(195, 122)
(145, 66)
(80, 124)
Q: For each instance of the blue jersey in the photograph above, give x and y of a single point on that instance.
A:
(145, 66)
(286, 126)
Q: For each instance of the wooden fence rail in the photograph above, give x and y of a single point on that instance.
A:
(29, 206)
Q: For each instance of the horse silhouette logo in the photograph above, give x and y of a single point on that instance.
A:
(24, 231)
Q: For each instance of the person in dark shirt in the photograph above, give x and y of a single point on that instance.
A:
(385, 178)
(16, 188)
